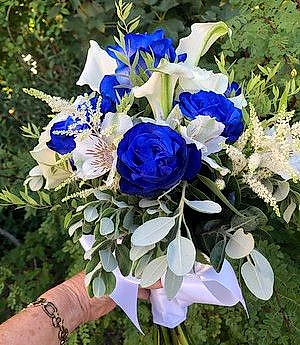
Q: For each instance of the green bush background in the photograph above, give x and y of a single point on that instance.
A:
(56, 34)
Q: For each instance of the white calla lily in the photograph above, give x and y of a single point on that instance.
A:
(159, 90)
(202, 36)
(98, 64)
(193, 79)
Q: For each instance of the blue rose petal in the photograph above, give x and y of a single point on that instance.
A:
(216, 106)
(153, 158)
(63, 143)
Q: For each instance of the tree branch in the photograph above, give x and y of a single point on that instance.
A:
(9, 236)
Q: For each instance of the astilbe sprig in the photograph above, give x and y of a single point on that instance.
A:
(262, 152)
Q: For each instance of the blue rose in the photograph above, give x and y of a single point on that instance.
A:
(153, 158)
(111, 93)
(155, 44)
(65, 143)
(216, 106)
(233, 89)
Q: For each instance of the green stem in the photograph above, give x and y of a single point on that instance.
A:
(166, 96)
(181, 209)
(181, 336)
(165, 335)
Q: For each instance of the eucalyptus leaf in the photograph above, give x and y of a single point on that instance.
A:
(102, 196)
(90, 213)
(122, 256)
(106, 226)
(172, 284)
(252, 218)
(217, 255)
(181, 254)
(205, 206)
(282, 191)
(258, 277)
(154, 271)
(108, 260)
(152, 231)
(137, 252)
(239, 244)
(109, 280)
(98, 286)
(142, 263)
(287, 215)
(89, 276)
(145, 203)
(74, 227)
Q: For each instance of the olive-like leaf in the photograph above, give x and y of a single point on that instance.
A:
(154, 271)
(172, 284)
(217, 255)
(181, 254)
(152, 231)
(259, 277)
(239, 244)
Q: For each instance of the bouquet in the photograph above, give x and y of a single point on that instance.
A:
(152, 166)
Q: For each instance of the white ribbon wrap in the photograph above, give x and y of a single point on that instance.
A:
(204, 286)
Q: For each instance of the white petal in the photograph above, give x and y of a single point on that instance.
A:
(36, 171)
(159, 91)
(98, 64)
(204, 128)
(202, 36)
(239, 101)
(152, 91)
(194, 79)
(223, 171)
(114, 126)
(205, 80)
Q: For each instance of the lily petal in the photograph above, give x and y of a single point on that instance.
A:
(202, 36)
(194, 79)
(98, 64)
(159, 92)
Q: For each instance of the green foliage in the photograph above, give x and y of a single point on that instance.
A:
(56, 35)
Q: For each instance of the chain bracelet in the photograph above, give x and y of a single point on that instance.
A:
(50, 309)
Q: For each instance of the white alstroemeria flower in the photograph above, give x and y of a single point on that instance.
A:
(193, 79)
(205, 132)
(201, 38)
(98, 64)
(95, 155)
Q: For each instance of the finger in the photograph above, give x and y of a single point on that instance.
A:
(143, 294)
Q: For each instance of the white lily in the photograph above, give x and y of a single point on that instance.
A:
(95, 155)
(205, 132)
(201, 38)
(98, 64)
